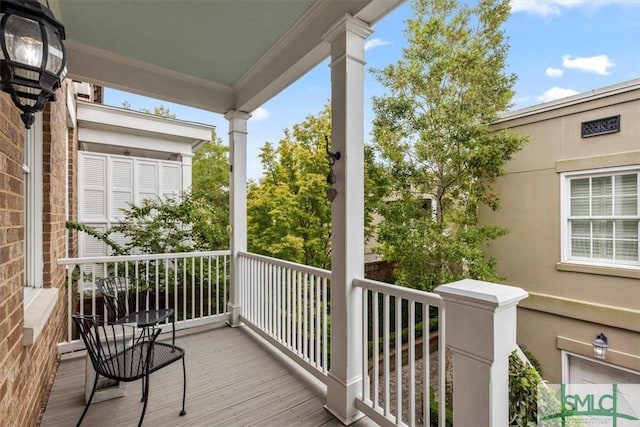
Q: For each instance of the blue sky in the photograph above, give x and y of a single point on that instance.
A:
(557, 48)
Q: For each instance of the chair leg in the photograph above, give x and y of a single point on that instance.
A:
(173, 331)
(93, 390)
(184, 387)
(144, 388)
(145, 398)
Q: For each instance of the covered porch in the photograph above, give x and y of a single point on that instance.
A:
(229, 57)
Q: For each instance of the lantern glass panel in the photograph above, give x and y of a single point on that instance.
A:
(54, 57)
(23, 40)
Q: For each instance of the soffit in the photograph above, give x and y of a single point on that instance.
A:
(212, 54)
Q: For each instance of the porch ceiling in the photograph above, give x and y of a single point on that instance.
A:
(216, 55)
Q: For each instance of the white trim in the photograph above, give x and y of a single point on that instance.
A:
(565, 249)
(33, 257)
(581, 98)
(36, 313)
(145, 66)
(565, 364)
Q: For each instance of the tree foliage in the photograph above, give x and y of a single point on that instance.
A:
(289, 216)
(210, 185)
(432, 133)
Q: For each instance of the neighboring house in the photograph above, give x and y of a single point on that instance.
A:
(80, 160)
(126, 157)
(570, 200)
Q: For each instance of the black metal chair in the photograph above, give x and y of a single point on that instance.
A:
(123, 352)
(123, 297)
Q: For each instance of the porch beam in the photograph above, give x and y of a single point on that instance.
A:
(344, 384)
(238, 203)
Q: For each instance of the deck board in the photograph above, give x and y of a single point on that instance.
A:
(234, 378)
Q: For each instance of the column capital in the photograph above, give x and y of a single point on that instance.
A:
(347, 24)
(237, 115)
(481, 294)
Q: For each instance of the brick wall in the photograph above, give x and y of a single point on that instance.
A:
(26, 373)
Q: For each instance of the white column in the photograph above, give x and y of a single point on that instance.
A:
(187, 160)
(347, 215)
(481, 333)
(238, 202)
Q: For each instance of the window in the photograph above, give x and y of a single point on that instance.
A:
(33, 204)
(601, 218)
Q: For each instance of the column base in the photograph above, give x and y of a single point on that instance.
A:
(234, 321)
(341, 399)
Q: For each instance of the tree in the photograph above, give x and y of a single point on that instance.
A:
(161, 110)
(432, 133)
(289, 216)
(210, 186)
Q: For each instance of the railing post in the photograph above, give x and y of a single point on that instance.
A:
(238, 204)
(481, 333)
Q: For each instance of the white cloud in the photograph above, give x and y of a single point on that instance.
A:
(521, 100)
(551, 7)
(260, 113)
(554, 72)
(596, 64)
(556, 93)
(370, 44)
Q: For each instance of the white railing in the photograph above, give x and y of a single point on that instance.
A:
(288, 304)
(397, 354)
(194, 284)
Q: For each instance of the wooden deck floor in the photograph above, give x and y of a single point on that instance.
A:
(233, 379)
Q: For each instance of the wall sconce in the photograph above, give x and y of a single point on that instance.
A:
(331, 177)
(600, 345)
(32, 58)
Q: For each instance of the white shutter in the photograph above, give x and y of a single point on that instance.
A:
(90, 246)
(170, 179)
(147, 180)
(121, 186)
(92, 183)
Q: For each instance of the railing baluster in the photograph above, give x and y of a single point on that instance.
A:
(201, 287)
(325, 326)
(318, 314)
(289, 314)
(299, 314)
(376, 351)
(442, 378)
(366, 391)
(426, 368)
(386, 353)
(412, 363)
(311, 304)
(398, 330)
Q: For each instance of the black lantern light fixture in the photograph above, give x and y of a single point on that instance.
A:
(331, 177)
(600, 345)
(32, 60)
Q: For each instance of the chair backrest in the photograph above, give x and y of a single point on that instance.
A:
(122, 295)
(117, 351)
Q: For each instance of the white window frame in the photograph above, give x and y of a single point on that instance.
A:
(565, 210)
(33, 257)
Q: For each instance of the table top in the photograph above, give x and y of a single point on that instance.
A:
(147, 317)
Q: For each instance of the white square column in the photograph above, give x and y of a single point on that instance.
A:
(237, 203)
(347, 215)
(481, 333)
(187, 165)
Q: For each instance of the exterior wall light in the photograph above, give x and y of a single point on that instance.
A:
(32, 58)
(600, 345)
(331, 177)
